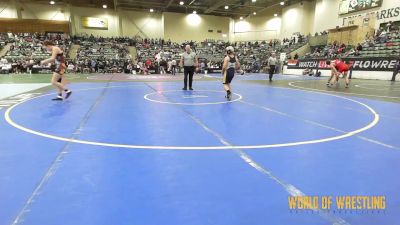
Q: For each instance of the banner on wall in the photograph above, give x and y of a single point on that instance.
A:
(350, 6)
(94, 23)
(356, 64)
(388, 13)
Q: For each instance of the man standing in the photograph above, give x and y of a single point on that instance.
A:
(162, 66)
(396, 70)
(272, 66)
(202, 67)
(147, 66)
(189, 61)
(173, 66)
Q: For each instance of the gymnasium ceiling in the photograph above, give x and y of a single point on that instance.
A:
(236, 9)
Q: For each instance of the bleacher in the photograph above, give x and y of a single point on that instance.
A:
(153, 47)
(105, 50)
(390, 48)
(329, 51)
(27, 46)
(3, 40)
(25, 49)
(113, 52)
(379, 46)
(97, 54)
(253, 55)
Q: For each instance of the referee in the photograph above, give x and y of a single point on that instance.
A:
(272, 61)
(189, 61)
(396, 70)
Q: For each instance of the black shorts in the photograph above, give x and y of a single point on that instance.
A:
(59, 73)
(228, 76)
(60, 68)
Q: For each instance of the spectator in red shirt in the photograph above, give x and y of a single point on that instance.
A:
(148, 64)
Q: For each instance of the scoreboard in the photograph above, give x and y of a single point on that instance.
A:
(350, 6)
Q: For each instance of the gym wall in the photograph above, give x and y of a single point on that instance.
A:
(33, 18)
(33, 25)
(144, 24)
(297, 18)
(176, 26)
(257, 28)
(309, 17)
(327, 14)
(7, 10)
(306, 18)
(112, 18)
(44, 12)
(181, 27)
(265, 26)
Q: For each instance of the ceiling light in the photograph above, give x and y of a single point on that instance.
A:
(194, 12)
(226, 7)
(181, 3)
(104, 6)
(275, 15)
(253, 0)
(254, 13)
(282, 3)
(241, 18)
(151, 10)
(52, 3)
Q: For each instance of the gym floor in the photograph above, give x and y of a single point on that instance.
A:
(130, 150)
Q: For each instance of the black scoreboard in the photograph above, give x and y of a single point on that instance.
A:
(350, 6)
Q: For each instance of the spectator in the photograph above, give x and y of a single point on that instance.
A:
(3, 60)
(202, 67)
(306, 71)
(396, 70)
(163, 65)
(272, 62)
(129, 68)
(93, 65)
(173, 66)
(311, 72)
(359, 47)
(389, 26)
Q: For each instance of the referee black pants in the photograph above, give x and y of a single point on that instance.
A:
(395, 72)
(173, 70)
(271, 71)
(188, 71)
